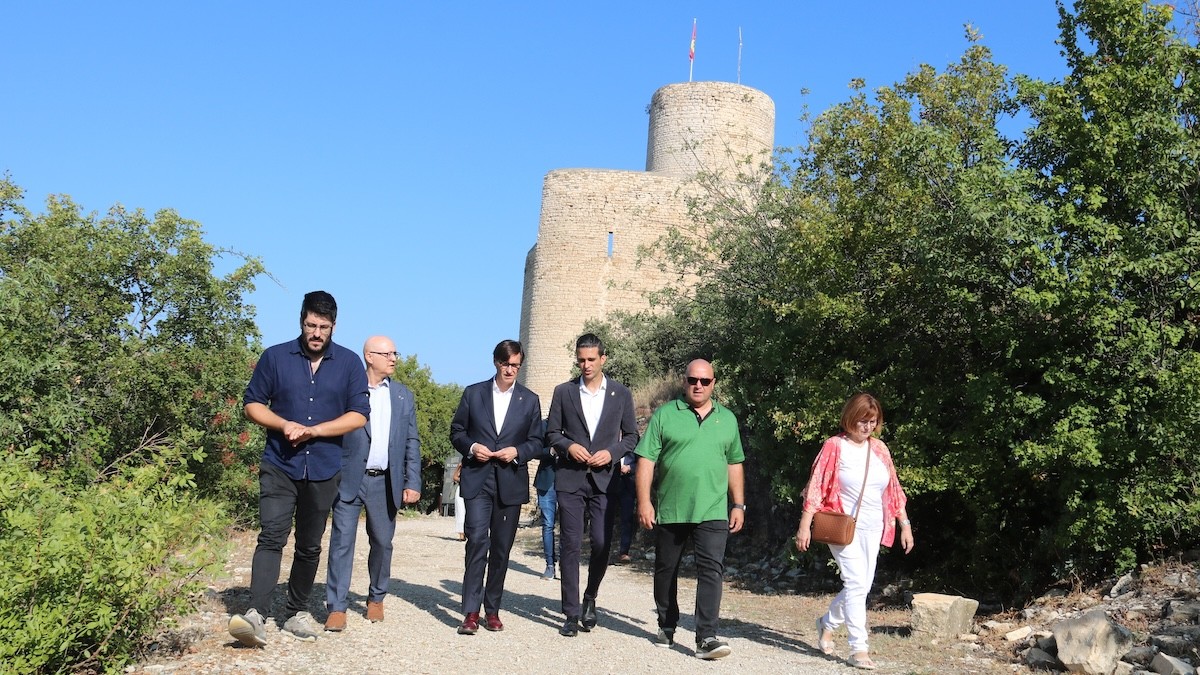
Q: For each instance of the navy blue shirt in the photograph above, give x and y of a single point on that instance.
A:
(284, 382)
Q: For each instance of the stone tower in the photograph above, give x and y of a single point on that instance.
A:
(593, 221)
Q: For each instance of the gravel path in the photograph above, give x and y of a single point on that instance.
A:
(768, 634)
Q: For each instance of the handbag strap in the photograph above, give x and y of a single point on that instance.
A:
(866, 470)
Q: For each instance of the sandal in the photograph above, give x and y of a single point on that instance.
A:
(861, 660)
(826, 646)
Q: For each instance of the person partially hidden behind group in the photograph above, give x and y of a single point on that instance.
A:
(381, 471)
(836, 482)
(498, 429)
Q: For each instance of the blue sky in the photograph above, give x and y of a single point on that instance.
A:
(393, 153)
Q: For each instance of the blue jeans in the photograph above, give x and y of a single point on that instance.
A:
(548, 505)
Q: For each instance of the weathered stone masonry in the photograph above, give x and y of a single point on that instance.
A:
(593, 221)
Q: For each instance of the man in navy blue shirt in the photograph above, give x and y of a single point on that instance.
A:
(306, 393)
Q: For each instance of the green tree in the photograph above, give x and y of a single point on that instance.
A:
(1116, 149)
(1023, 307)
(435, 408)
(117, 331)
(122, 436)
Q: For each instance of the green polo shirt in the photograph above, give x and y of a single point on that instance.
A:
(692, 458)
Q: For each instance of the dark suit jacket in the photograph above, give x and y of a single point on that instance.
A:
(474, 422)
(616, 432)
(404, 450)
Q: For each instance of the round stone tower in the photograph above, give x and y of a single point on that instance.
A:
(594, 222)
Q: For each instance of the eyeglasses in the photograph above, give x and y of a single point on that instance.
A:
(702, 381)
(514, 366)
(315, 328)
(387, 355)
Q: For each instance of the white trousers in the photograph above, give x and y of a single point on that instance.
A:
(460, 511)
(856, 561)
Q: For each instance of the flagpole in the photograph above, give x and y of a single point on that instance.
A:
(692, 51)
(739, 81)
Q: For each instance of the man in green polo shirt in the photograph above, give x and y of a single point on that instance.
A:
(692, 454)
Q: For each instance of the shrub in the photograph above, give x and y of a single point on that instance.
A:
(87, 572)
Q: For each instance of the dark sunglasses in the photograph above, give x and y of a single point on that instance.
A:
(703, 381)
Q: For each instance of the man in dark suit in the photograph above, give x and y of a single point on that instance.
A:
(498, 430)
(381, 469)
(591, 428)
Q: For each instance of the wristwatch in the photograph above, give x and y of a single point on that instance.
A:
(740, 506)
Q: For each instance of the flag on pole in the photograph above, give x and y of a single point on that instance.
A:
(692, 49)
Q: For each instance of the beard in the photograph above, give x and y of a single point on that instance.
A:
(310, 352)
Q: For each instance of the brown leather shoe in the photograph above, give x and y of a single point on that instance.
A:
(374, 611)
(493, 622)
(336, 622)
(470, 624)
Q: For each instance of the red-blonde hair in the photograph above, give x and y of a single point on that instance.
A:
(861, 406)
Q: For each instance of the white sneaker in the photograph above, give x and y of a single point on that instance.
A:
(248, 628)
(303, 627)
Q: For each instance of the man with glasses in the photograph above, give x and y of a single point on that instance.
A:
(381, 470)
(592, 429)
(692, 454)
(498, 429)
(307, 393)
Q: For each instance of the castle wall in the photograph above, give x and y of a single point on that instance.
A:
(593, 222)
(709, 127)
(571, 276)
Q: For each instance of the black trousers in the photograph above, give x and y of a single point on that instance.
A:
(491, 530)
(571, 509)
(708, 542)
(281, 499)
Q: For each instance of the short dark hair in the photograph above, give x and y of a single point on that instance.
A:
(589, 340)
(505, 350)
(320, 303)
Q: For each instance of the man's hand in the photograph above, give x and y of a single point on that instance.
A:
(600, 459)
(736, 518)
(646, 515)
(506, 455)
(625, 469)
(579, 453)
(481, 453)
(411, 496)
(297, 433)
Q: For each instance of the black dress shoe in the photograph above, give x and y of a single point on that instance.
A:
(570, 627)
(588, 621)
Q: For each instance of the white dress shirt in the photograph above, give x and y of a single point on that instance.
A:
(381, 425)
(593, 404)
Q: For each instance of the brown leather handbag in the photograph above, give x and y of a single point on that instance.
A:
(837, 529)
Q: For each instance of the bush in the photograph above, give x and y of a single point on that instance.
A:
(86, 573)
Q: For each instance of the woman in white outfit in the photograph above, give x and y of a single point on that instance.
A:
(836, 481)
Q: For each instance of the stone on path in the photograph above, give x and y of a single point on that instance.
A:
(942, 615)
(1091, 643)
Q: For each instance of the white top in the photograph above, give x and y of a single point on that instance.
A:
(500, 401)
(381, 425)
(593, 404)
(850, 474)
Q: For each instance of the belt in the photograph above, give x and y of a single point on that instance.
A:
(376, 472)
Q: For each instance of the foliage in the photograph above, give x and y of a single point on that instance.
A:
(120, 384)
(644, 346)
(86, 571)
(116, 330)
(1023, 307)
(435, 407)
